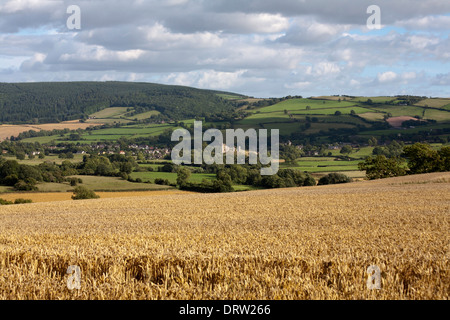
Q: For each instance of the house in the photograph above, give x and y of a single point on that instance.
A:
(4, 151)
(122, 152)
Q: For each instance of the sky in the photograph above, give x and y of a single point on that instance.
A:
(260, 48)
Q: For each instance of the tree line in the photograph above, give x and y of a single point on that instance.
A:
(399, 160)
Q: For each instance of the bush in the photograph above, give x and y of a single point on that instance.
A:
(25, 186)
(123, 175)
(162, 181)
(22, 201)
(334, 178)
(73, 182)
(81, 193)
(4, 202)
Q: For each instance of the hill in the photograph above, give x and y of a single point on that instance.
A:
(65, 101)
(288, 244)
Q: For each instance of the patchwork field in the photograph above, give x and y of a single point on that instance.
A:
(300, 243)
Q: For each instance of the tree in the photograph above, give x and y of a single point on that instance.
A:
(373, 142)
(422, 158)
(444, 157)
(338, 113)
(346, 150)
(380, 167)
(334, 178)
(81, 193)
(73, 182)
(183, 176)
(290, 154)
(223, 182)
(29, 185)
(20, 155)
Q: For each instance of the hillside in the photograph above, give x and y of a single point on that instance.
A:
(299, 243)
(64, 101)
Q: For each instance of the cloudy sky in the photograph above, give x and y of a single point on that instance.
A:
(261, 48)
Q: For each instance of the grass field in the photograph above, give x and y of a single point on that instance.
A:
(398, 111)
(171, 176)
(374, 99)
(323, 165)
(301, 243)
(434, 103)
(145, 115)
(115, 112)
(372, 116)
(299, 105)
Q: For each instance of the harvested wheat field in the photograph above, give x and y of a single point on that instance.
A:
(302, 243)
(6, 130)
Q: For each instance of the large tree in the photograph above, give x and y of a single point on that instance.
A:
(380, 167)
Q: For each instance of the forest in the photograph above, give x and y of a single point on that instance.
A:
(64, 101)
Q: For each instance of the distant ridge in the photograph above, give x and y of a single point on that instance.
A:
(45, 102)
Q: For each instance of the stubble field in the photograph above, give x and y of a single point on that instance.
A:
(301, 243)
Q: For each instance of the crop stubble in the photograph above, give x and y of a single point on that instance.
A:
(305, 243)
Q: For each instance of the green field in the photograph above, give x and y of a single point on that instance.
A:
(438, 115)
(285, 128)
(317, 127)
(171, 176)
(299, 105)
(325, 166)
(398, 111)
(145, 115)
(377, 133)
(374, 99)
(51, 158)
(372, 116)
(434, 103)
(330, 111)
(107, 113)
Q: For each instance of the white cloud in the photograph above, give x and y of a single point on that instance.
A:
(298, 85)
(388, 76)
(210, 79)
(436, 23)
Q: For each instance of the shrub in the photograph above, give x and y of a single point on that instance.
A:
(334, 178)
(161, 181)
(73, 182)
(81, 193)
(123, 175)
(22, 201)
(4, 202)
(25, 186)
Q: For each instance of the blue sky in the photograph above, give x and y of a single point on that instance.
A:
(269, 48)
